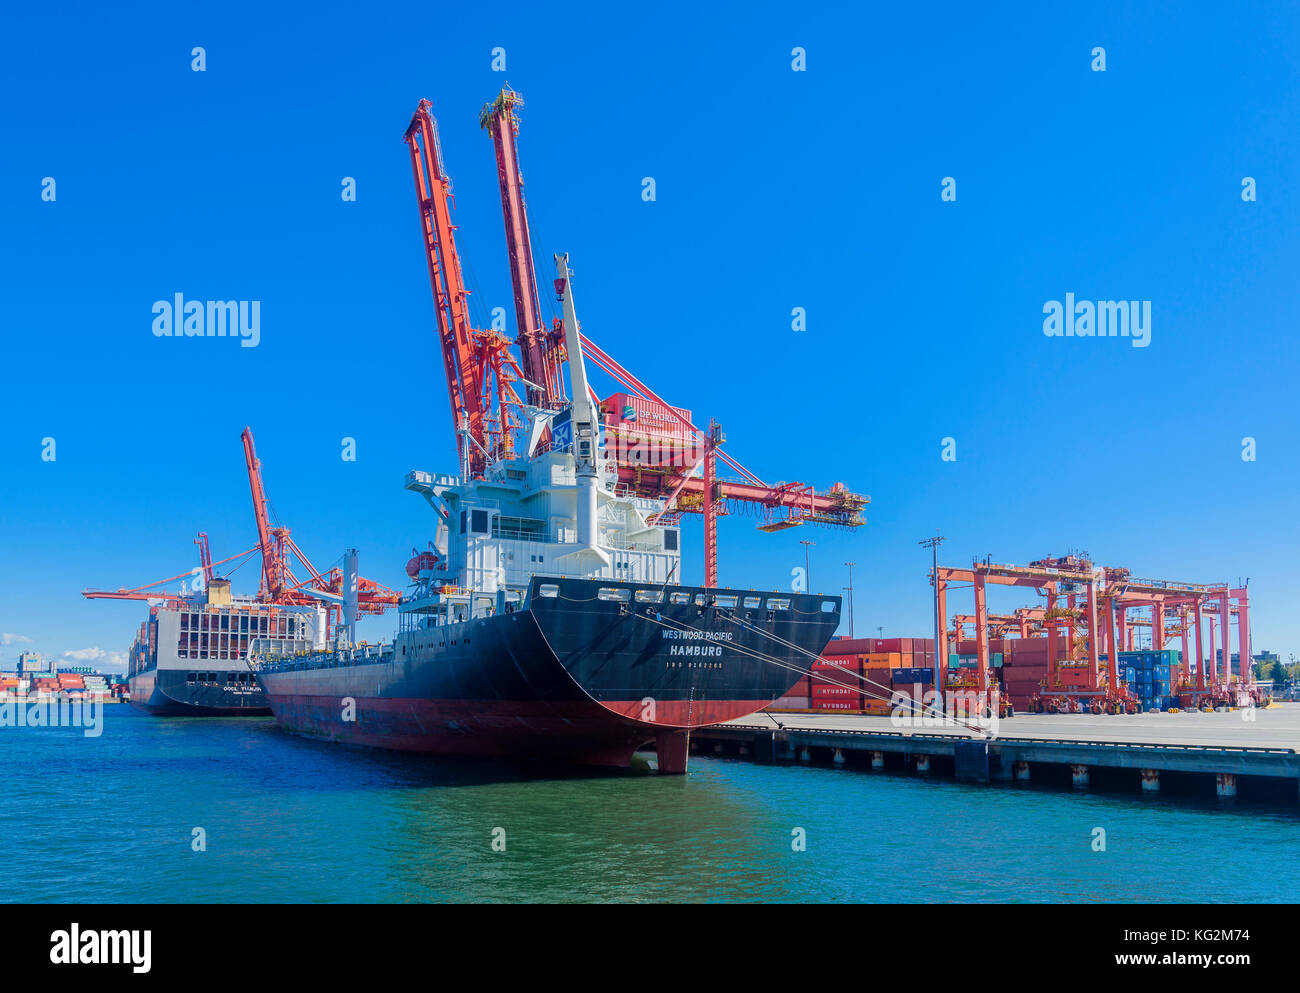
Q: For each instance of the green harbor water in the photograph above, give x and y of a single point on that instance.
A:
(115, 818)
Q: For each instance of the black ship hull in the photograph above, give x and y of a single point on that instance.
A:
(165, 693)
(580, 676)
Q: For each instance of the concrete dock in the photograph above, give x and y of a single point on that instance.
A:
(1190, 752)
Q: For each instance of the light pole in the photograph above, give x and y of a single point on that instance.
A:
(807, 567)
(850, 588)
(933, 544)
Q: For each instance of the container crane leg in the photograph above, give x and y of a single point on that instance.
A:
(711, 441)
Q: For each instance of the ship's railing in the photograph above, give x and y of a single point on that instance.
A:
(624, 545)
(324, 659)
(517, 534)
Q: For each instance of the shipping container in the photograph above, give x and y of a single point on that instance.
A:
(849, 663)
(908, 677)
(820, 692)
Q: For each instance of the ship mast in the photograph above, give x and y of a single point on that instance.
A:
(583, 414)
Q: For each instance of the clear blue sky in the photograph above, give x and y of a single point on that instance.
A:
(776, 189)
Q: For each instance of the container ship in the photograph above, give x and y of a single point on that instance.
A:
(190, 657)
(520, 643)
(548, 619)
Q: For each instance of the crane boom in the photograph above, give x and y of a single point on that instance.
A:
(451, 299)
(273, 576)
(536, 348)
(205, 556)
(479, 366)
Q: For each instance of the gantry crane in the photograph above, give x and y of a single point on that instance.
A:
(279, 584)
(481, 371)
(1086, 617)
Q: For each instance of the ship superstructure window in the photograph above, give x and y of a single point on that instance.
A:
(670, 540)
(479, 521)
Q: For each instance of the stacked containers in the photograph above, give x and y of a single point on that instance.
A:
(857, 675)
(878, 669)
(1024, 669)
(836, 684)
(1149, 676)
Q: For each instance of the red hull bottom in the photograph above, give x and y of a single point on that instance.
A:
(579, 732)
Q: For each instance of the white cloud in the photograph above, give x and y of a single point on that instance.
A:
(14, 639)
(97, 655)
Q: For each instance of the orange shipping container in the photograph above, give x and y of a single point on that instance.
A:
(889, 660)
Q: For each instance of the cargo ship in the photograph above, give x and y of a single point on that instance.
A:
(509, 647)
(190, 656)
(548, 619)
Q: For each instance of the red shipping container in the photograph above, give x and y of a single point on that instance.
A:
(837, 692)
(851, 646)
(842, 705)
(850, 663)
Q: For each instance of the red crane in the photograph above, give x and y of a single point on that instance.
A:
(279, 584)
(205, 556)
(480, 368)
(481, 371)
(148, 591)
(539, 348)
